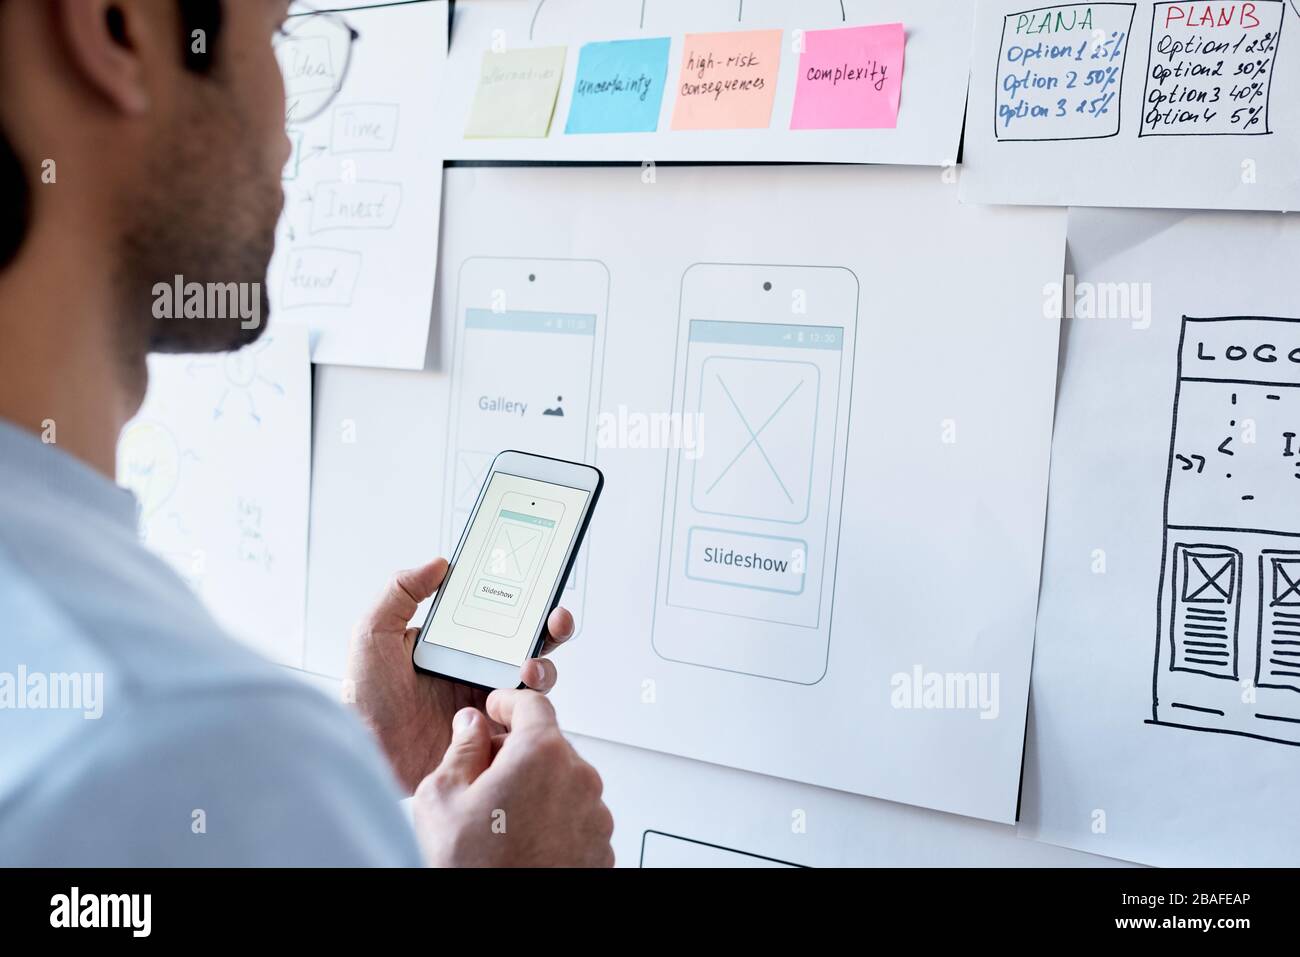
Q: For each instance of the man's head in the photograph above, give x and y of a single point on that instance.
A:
(149, 136)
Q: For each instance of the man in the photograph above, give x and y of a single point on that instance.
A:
(140, 140)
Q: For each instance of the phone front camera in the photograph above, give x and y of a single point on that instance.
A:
(767, 287)
(532, 277)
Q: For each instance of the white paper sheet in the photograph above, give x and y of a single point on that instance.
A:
(219, 457)
(357, 244)
(944, 470)
(1171, 541)
(377, 462)
(1141, 103)
(671, 812)
(929, 123)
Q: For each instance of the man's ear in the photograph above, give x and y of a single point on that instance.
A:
(107, 42)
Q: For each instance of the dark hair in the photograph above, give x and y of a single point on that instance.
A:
(15, 214)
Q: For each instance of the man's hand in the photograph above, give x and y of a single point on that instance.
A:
(520, 799)
(410, 712)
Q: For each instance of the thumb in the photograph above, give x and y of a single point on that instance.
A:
(398, 604)
(469, 753)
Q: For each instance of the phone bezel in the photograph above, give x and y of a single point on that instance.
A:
(488, 673)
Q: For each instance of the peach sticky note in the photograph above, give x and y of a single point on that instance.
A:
(728, 80)
(850, 78)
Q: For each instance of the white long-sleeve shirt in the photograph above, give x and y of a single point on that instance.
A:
(132, 730)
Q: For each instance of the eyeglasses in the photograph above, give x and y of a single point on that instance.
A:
(314, 49)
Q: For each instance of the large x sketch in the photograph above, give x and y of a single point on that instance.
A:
(761, 417)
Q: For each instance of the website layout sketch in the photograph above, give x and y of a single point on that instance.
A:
(1228, 654)
(751, 517)
(527, 353)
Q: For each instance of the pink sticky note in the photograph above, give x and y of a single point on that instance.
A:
(728, 80)
(850, 78)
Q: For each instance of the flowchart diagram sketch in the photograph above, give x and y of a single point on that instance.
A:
(751, 515)
(869, 81)
(1228, 657)
(357, 242)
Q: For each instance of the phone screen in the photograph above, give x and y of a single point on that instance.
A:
(512, 556)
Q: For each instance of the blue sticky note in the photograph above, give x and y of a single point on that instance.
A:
(619, 86)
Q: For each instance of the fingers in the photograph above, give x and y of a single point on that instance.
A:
(469, 753)
(559, 629)
(520, 709)
(539, 674)
(396, 607)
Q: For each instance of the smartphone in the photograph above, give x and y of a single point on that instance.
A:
(751, 524)
(527, 353)
(508, 570)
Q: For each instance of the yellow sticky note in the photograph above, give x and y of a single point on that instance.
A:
(516, 93)
(728, 80)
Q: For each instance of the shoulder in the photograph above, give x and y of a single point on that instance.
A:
(140, 737)
(242, 775)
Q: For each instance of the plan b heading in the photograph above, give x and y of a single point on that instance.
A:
(1209, 70)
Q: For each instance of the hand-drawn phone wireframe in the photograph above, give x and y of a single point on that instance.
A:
(527, 354)
(751, 522)
(1228, 621)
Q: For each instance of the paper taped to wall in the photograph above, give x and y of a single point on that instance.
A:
(357, 242)
(1165, 710)
(783, 493)
(1140, 103)
(219, 457)
(678, 80)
